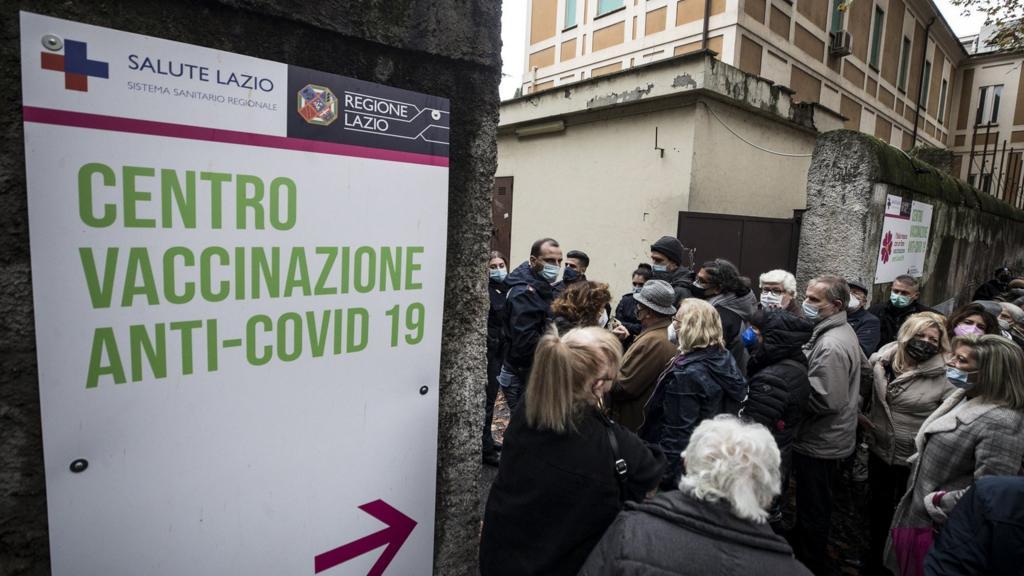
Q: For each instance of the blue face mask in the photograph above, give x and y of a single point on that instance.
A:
(958, 378)
(570, 275)
(637, 289)
(550, 272)
(899, 301)
(749, 338)
(810, 311)
(659, 267)
(498, 274)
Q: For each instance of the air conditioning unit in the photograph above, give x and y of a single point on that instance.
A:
(841, 44)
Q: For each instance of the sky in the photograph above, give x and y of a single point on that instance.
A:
(513, 37)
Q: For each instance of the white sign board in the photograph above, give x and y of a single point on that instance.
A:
(905, 230)
(238, 272)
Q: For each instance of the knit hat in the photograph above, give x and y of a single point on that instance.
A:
(671, 247)
(657, 295)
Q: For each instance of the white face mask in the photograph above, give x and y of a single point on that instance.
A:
(602, 320)
(854, 303)
(672, 336)
(771, 300)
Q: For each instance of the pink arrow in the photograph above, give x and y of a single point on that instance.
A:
(398, 530)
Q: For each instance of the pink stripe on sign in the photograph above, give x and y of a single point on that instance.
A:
(134, 126)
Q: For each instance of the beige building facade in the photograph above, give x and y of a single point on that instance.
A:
(627, 129)
(608, 165)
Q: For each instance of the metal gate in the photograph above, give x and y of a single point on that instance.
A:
(755, 245)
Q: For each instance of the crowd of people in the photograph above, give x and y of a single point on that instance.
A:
(665, 438)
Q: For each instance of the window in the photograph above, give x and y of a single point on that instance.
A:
(942, 101)
(988, 104)
(837, 16)
(926, 80)
(876, 37)
(901, 81)
(606, 6)
(570, 14)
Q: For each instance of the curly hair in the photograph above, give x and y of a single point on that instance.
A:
(582, 302)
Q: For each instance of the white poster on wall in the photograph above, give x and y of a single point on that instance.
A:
(906, 226)
(238, 275)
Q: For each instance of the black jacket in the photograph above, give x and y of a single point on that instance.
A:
(625, 313)
(985, 532)
(496, 314)
(555, 494)
(677, 534)
(682, 283)
(527, 313)
(990, 290)
(868, 329)
(891, 318)
(698, 385)
(777, 377)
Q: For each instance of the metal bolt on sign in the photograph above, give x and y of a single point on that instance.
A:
(52, 42)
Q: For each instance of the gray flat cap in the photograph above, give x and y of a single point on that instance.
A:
(659, 296)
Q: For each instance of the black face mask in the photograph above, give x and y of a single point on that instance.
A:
(921, 350)
(698, 292)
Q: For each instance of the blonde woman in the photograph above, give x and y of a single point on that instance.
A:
(977, 431)
(909, 383)
(557, 489)
(701, 383)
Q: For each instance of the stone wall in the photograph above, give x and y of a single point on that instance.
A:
(448, 48)
(850, 176)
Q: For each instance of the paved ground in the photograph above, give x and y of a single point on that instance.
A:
(848, 542)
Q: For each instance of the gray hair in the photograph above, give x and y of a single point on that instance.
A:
(836, 289)
(779, 276)
(1013, 311)
(734, 461)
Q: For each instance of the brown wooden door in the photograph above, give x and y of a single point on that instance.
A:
(501, 215)
(754, 245)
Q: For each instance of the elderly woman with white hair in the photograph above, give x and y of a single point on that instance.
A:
(778, 290)
(715, 523)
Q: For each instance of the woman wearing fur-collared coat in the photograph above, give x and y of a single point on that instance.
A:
(978, 431)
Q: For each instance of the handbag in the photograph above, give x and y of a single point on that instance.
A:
(620, 466)
(910, 546)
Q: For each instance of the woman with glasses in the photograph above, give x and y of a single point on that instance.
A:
(557, 488)
(701, 383)
(977, 431)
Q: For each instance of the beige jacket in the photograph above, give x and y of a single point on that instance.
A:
(898, 408)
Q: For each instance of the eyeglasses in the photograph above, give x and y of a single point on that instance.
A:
(635, 285)
(773, 291)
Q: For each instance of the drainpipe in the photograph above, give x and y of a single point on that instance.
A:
(920, 84)
(707, 18)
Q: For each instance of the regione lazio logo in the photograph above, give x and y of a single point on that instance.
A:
(75, 65)
(317, 105)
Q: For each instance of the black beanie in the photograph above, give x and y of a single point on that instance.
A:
(671, 247)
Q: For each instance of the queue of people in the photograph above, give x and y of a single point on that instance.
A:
(664, 439)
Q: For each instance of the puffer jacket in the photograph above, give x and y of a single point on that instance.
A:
(698, 385)
(677, 534)
(777, 377)
(900, 406)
